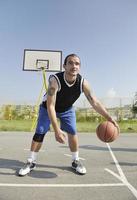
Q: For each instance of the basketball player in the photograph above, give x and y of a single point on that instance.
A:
(63, 90)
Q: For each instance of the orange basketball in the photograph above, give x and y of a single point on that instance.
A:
(107, 131)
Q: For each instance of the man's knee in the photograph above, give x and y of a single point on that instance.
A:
(38, 137)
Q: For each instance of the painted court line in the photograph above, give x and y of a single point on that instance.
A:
(121, 174)
(123, 177)
(113, 173)
(62, 185)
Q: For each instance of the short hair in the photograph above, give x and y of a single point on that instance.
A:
(70, 55)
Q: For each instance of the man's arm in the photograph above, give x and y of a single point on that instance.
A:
(95, 103)
(51, 101)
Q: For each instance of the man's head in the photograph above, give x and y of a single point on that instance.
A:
(72, 64)
(70, 55)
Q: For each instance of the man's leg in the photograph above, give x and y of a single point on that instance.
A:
(42, 128)
(36, 146)
(73, 145)
(73, 142)
(68, 124)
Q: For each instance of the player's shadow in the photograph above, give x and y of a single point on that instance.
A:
(46, 174)
(15, 165)
(42, 174)
(125, 164)
(62, 168)
(99, 148)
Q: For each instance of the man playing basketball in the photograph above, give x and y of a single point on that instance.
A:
(63, 90)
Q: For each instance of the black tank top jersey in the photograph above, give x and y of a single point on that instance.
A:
(67, 94)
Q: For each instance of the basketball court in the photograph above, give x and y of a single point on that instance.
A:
(111, 169)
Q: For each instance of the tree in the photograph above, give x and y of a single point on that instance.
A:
(134, 106)
(7, 112)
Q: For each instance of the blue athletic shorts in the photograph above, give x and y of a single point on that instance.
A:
(67, 121)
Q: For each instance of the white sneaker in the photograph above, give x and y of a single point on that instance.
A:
(29, 166)
(78, 167)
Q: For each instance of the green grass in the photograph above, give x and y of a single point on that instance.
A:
(25, 125)
(86, 126)
(125, 127)
(15, 125)
(128, 126)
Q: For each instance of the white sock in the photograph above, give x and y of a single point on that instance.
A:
(75, 155)
(33, 156)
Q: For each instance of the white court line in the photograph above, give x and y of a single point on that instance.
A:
(117, 164)
(114, 174)
(71, 156)
(122, 176)
(61, 185)
(134, 191)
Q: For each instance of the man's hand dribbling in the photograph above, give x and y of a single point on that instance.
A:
(115, 123)
(60, 137)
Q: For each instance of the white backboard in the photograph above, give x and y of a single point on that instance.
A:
(36, 60)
